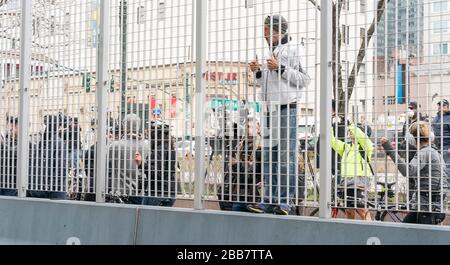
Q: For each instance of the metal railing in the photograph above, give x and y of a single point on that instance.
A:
(229, 102)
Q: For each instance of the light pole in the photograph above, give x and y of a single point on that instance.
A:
(123, 15)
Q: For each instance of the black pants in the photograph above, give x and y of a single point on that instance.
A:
(424, 218)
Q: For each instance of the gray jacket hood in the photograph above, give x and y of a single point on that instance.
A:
(132, 123)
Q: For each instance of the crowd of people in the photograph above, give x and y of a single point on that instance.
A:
(139, 170)
(424, 156)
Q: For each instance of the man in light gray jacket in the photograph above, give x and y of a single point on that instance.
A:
(283, 79)
(125, 175)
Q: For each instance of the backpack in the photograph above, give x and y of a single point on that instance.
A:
(364, 127)
(362, 152)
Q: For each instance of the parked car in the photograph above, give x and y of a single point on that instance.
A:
(307, 132)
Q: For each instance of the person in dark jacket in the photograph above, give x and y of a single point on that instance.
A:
(406, 146)
(49, 163)
(429, 199)
(88, 193)
(124, 177)
(339, 125)
(441, 127)
(8, 158)
(71, 135)
(159, 168)
(242, 175)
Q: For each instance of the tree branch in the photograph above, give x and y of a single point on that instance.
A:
(315, 4)
(381, 6)
(336, 47)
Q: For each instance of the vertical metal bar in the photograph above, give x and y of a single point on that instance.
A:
(101, 94)
(200, 66)
(123, 21)
(325, 110)
(24, 97)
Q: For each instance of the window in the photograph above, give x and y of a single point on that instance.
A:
(362, 5)
(345, 73)
(362, 73)
(161, 10)
(362, 34)
(37, 70)
(345, 5)
(249, 4)
(52, 25)
(8, 71)
(13, 43)
(345, 34)
(390, 100)
(67, 21)
(440, 27)
(17, 72)
(141, 14)
(440, 6)
(440, 49)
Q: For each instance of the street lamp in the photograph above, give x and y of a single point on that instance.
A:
(123, 18)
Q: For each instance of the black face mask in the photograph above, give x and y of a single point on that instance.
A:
(286, 38)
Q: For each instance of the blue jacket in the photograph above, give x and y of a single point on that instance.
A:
(441, 127)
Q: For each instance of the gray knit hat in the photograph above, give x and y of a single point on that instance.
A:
(277, 22)
(132, 123)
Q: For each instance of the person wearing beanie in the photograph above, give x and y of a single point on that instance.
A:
(406, 145)
(124, 175)
(282, 77)
(441, 127)
(430, 189)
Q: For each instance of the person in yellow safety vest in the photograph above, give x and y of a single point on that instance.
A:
(356, 171)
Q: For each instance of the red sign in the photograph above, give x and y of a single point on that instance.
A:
(153, 102)
(224, 78)
(173, 111)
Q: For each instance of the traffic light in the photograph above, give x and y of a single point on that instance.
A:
(111, 87)
(86, 81)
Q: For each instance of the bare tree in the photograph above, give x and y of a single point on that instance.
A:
(44, 25)
(343, 95)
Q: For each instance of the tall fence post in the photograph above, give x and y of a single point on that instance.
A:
(200, 67)
(325, 108)
(24, 98)
(103, 82)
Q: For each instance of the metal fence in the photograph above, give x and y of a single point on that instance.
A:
(146, 102)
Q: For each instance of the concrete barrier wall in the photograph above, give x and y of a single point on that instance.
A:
(61, 222)
(31, 221)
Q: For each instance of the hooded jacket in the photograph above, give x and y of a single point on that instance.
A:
(441, 128)
(282, 86)
(285, 85)
(353, 164)
(125, 176)
(427, 171)
(48, 167)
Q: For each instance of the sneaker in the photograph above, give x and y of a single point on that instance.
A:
(281, 210)
(255, 208)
